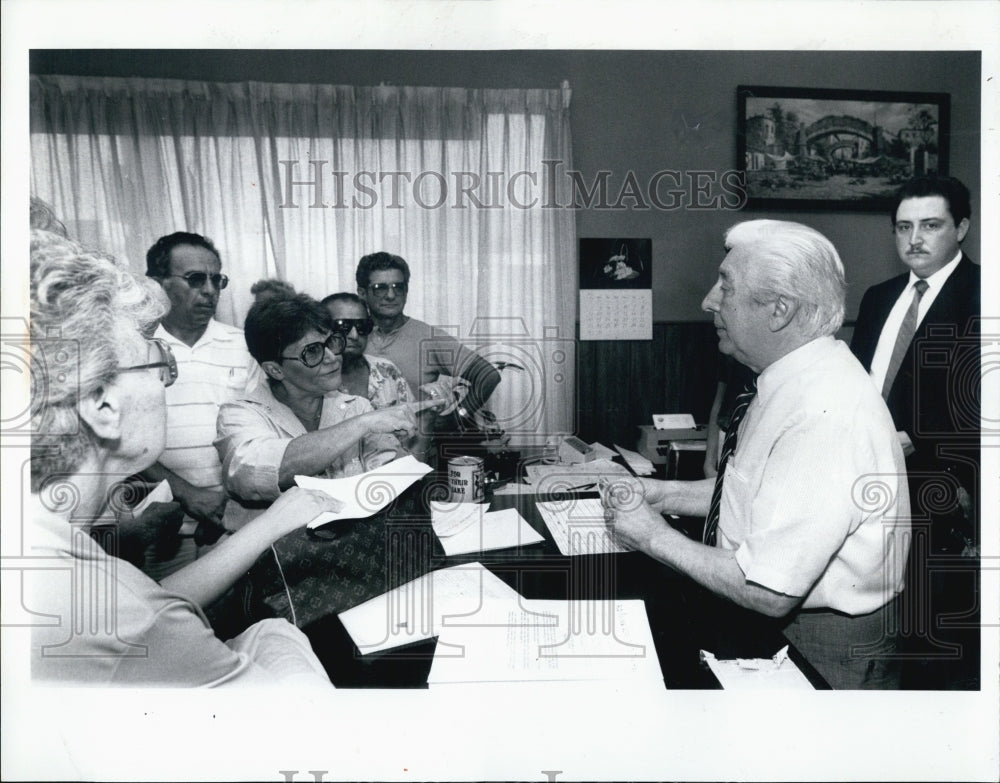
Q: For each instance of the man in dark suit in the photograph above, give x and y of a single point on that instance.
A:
(918, 336)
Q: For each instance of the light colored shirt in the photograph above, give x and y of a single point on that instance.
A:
(122, 628)
(815, 500)
(209, 373)
(253, 433)
(890, 330)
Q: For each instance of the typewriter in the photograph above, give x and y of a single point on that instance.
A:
(667, 428)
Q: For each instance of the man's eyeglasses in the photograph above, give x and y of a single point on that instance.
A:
(198, 279)
(382, 289)
(312, 355)
(166, 363)
(344, 325)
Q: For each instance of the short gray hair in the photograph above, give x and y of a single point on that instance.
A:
(797, 262)
(81, 303)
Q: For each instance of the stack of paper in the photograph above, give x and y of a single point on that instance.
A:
(469, 527)
(578, 527)
(367, 493)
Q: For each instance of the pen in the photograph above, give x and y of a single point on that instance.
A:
(591, 485)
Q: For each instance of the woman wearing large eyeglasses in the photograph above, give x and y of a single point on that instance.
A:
(298, 422)
(99, 415)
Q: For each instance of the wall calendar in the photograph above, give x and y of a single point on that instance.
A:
(616, 289)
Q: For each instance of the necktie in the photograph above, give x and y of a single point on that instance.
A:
(904, 338)
(728, 447)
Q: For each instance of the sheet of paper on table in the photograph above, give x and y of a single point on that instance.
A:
(468, 527)
(447, 518)
(368, 493)
(639, 464)
(778, 672)
(419, 609)
(552, 640)
(578, 528)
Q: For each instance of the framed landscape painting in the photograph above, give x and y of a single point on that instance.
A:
(802, 148)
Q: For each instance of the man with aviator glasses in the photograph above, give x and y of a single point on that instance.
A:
(212, 366)
(435, 364)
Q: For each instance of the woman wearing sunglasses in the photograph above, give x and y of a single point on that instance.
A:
(298, 422)
(98, 414)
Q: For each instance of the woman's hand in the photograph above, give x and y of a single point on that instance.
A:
(400, 420)
(296, 507)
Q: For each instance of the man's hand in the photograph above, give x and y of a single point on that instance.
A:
(203, 504)
(447, 388)
(627, 492)
(906, 443)
(634, 524)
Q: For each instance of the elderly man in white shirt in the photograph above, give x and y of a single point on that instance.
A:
(808, 518)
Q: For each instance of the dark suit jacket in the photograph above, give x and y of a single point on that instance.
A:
(935, 396)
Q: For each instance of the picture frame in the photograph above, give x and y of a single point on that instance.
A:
(835, 149)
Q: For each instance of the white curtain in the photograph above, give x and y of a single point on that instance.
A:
(299, 181)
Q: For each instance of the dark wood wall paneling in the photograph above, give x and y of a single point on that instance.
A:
(622, 383)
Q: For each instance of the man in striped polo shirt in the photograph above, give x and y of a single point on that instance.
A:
(213, 366)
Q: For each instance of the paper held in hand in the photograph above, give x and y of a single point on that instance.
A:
(368, 493)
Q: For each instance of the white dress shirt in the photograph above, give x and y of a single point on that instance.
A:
(887, 339)
(815, 501)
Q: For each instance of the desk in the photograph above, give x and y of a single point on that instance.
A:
(309, 581)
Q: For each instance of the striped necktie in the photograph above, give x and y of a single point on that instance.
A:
(906, 331)
(728, 447)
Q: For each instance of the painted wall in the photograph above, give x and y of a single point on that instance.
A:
(634, 112)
